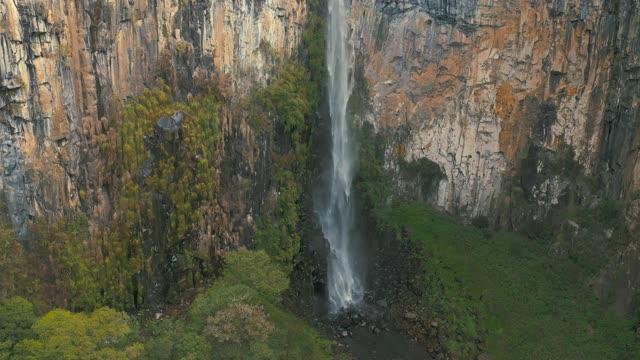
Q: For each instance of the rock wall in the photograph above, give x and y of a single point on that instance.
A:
(66, 66)
(527, 106)
(478, 82)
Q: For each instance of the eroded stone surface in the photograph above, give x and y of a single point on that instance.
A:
(66, 66)
(497, 93)
(469, 79)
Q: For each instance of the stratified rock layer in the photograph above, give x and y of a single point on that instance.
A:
(477, 82)
(518, 102)
(66, 66)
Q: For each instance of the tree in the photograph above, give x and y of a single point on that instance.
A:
(17, 315)
(241, 330)
(240, 323)
(14, 271)
(61, 334)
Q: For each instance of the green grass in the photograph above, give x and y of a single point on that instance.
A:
(506, 289)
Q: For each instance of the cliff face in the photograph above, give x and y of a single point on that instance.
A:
(527, 107)
(67, 66)
(477, 83)
(519, 102)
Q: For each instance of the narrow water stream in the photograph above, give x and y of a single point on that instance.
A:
(355, 318)
(335, 209)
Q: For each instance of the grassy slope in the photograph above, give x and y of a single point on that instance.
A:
(530, 305)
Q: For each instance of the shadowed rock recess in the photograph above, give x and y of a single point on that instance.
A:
(143, 141)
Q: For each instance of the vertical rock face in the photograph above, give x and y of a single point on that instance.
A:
(66, 66)
(479, 83)
(518, 102)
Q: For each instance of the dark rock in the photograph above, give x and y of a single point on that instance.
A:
(146, 169)
(166, 124)
(170, 124)
(374, 329)
(178, 117)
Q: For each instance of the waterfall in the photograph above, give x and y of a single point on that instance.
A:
(345, 286)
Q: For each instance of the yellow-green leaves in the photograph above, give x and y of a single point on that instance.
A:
(256, 270)
(17, 315)
(64, 335)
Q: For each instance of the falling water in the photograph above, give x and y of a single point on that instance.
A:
(336, 214)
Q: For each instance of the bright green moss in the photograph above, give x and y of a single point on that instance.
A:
(183, 173)
(282, 113)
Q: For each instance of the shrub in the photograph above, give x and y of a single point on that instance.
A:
(240, 323)
(102, 334)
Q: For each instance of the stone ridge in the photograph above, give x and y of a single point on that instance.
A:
(67, 66)
(526, 106)
(473, 101)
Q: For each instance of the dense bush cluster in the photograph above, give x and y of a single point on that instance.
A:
(239, 317)
(102, 334)
(163, 184)
(160, 208)
(53, 269)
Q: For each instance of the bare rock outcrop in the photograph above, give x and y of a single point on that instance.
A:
(477, 82)
(67, 66)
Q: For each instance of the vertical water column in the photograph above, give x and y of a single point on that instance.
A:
(345, 287)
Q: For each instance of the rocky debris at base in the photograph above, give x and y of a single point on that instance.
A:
(411, 316)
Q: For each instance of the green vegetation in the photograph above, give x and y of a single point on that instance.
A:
(248, 295)
(239, 317)
(186, 175)
(103, 334)
(372, 180)
(70, 276)
(281, 113)
(14, 266)
(314, 44)
(505, 288)
(500, 289)
(183, 177)
(54, 270)
(588, 244)
(17, 315)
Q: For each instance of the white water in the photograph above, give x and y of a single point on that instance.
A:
(345, 287)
